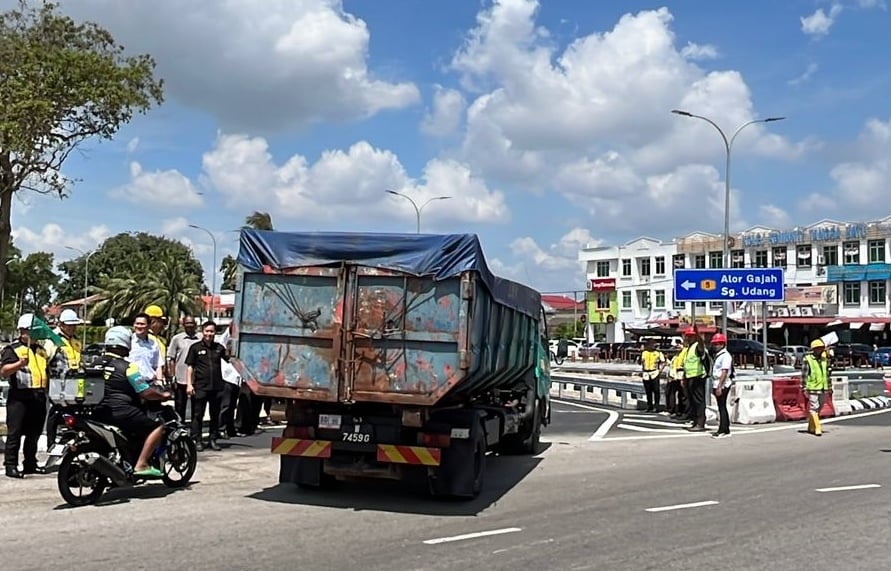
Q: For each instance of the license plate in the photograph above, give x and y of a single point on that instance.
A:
(329, 421)
(359, 434)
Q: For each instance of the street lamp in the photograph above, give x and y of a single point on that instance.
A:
(213, 277)
(86, 287)
(728, 147)
(413, 203)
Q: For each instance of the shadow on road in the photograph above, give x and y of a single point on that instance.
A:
(117, 496)
(410, 496)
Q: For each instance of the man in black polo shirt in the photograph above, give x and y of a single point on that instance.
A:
(204, 383)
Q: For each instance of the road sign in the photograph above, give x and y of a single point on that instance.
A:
(744, 284)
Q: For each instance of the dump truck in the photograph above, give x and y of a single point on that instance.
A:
(398, 356)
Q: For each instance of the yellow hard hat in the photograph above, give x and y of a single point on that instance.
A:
(154, 311)
(817, 343)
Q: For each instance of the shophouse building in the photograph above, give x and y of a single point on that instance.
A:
(837, 275)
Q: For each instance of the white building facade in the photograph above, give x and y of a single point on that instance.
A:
(833, 271)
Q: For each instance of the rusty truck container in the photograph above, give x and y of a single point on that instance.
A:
(413, 320)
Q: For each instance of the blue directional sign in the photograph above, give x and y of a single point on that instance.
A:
(744, 284)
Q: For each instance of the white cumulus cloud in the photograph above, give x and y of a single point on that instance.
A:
(347, 185)
(286, 64)
(860, 186)
(62, 243)
(445, 117)
(553, 267)
(818, 24)
(699, 52)
(160, 190)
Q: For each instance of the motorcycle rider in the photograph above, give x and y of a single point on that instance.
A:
(125, 389)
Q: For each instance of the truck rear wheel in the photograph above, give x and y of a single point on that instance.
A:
(527, 442)
(463, 470)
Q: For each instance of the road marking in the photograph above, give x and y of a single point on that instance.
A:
(632, 428)
(605, 426)
(476, 535)
(848, 488)
(739, 430)
(682, 506)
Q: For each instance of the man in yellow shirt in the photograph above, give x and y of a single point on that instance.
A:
(674, 391)
(653, 362)
(25, 363)
(67, 330)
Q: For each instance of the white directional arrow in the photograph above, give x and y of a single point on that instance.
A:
(688, 285)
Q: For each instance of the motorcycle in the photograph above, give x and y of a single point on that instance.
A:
(98, 456)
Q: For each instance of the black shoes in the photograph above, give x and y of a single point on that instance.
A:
(214, 446)
(34, 470)
(14, 473)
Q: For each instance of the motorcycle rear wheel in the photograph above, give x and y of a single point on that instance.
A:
(180, 462)
(74, 473)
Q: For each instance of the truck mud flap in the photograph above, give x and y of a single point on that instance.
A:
(463, 463)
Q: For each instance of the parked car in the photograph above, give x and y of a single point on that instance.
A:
(881, 357)
(856, 354)
(795, 354)
(748, 350)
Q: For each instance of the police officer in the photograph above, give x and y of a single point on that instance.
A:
(67, 358)
(25, 363)
(696, 369)
(815, 384)
(125, 389)
(653, 363)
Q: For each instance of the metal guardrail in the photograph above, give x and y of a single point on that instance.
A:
(624, 390)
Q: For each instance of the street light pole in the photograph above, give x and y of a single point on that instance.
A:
(213, 276)
(413, 203)
(86, 288)
(728, 148)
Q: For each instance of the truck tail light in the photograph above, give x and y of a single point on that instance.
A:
(304, 432)
(434, 440)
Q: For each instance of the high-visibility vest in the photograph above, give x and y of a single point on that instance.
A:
(33, 376)
(71, 348)
(651, 359)
(817, 374)
(161, 346)
(692, 363)
(677, 363)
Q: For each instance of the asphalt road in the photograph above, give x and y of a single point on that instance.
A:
(578, 505)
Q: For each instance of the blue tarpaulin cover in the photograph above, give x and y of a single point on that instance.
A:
(440, 256)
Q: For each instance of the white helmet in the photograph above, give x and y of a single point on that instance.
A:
(118, 336)
(69, 317)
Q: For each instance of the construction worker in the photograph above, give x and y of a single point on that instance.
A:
(674, 391)
(696, 370)
(157, 324)
(815, 384)
(653, 363)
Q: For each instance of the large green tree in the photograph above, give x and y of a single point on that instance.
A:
(61, 83)
(37, 281)
(124, 256)
(258, 221)
(229, 269)
(166, 281)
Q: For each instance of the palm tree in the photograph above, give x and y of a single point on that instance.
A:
(259, 221)
(229, 269)
(166, 283)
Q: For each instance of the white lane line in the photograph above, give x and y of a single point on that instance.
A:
(631, 427)
(605, 426)
(848, 488)
(682, 506)
(476, 535)
(655, 422)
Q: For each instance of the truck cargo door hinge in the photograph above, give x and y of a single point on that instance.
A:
(466, 288)
(464, 359)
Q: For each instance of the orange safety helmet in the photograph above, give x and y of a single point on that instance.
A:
(719, 338)
(689, 332)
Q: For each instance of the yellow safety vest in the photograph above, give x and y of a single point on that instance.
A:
(677, 362)
(72, 349)
(161, 345)
(817, 374)
(35, 376)
(692, 363)
(651, 359)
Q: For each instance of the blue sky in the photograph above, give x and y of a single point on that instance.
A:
(548, 125)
